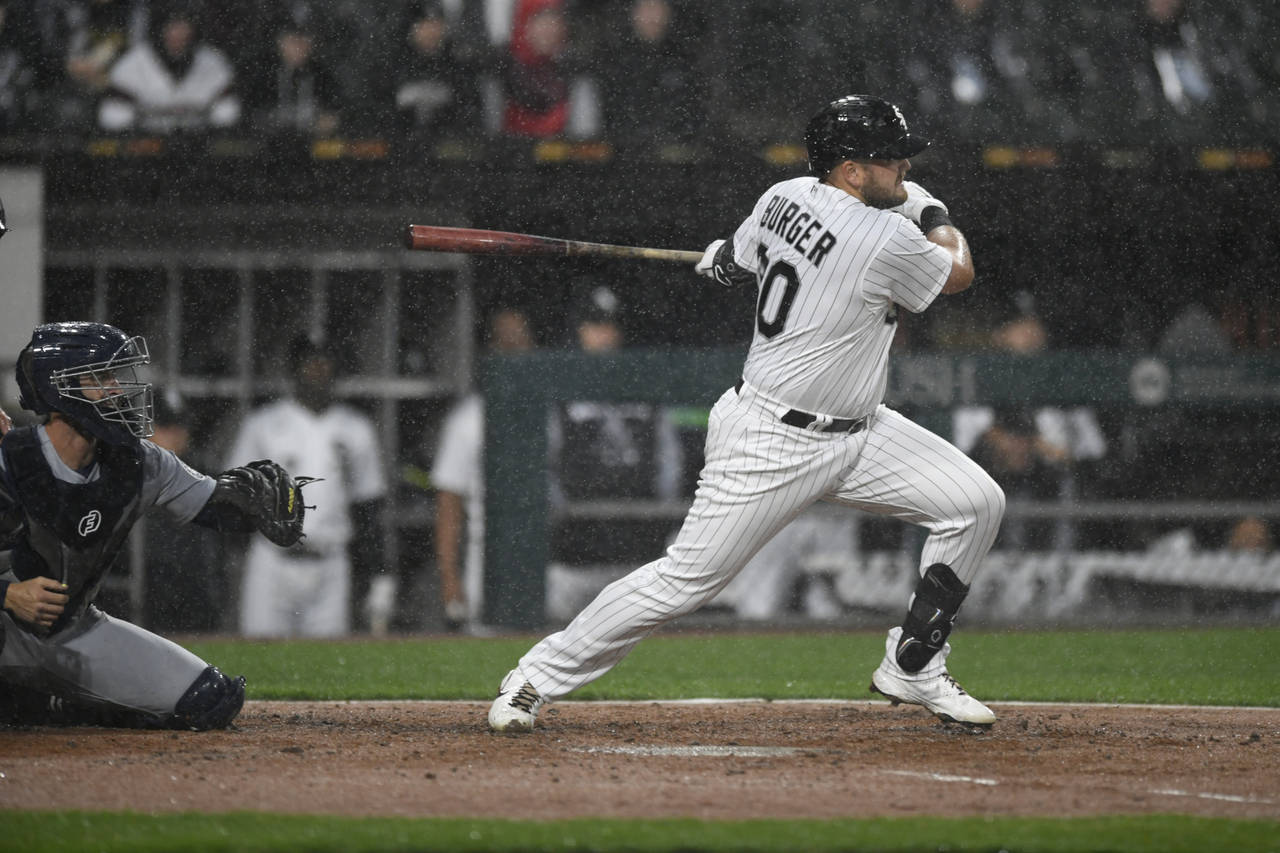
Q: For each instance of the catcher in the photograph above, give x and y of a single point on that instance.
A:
(71, 488)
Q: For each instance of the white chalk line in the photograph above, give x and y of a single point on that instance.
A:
(1205, 795)
(744, 751)
(940, 777)
(698, 751)
(741, 751)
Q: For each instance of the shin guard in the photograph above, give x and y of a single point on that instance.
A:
(211, 702)
(933, 609)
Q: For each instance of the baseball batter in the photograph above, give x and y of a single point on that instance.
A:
(835, 256)
(71, 489)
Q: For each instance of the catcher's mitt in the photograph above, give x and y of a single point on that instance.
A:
(266, 493)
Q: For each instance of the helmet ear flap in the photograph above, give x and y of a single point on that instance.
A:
(28, 390)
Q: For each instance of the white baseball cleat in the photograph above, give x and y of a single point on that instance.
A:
(516, 708)
(933, 687)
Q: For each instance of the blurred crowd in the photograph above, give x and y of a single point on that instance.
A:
(644, 72)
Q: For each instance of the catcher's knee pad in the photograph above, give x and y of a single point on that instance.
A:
(933, 609)
(211, 702)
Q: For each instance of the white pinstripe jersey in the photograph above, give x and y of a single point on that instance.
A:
(830, 271)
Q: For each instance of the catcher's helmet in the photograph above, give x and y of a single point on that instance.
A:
(88, 372)
(858, 127)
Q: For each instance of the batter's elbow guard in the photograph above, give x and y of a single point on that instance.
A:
(933, 609)
(211, 702)
(726, 269)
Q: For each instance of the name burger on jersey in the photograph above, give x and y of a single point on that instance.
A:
(780, 217)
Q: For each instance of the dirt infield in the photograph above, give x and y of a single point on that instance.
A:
(713, 760)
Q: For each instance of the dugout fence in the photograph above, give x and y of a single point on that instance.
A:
(219, 322)
(1062, 585)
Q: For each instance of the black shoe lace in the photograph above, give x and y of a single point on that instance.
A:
(954, 683)
(525, 698)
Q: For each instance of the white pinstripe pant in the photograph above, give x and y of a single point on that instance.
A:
(759, 475)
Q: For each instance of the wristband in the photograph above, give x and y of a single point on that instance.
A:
(933, 217)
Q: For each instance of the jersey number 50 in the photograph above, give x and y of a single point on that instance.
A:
(790, 284)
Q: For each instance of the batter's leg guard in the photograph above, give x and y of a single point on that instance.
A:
(211, 702)
(933, 609)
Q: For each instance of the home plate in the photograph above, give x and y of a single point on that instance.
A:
(696, 751)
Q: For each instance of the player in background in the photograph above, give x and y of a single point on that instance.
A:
(457, 473)
(835, 256)
(603, 451)
(313, 590)
(71, 489)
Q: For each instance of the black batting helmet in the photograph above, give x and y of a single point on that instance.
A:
(66, 360)
(858, 127)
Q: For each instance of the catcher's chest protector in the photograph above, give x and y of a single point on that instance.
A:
(74, 532)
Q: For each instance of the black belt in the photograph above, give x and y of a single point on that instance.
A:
(803, 420)
(303, 552)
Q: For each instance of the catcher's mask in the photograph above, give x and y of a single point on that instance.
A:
(88, 372)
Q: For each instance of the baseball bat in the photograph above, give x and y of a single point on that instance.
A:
(479, 241)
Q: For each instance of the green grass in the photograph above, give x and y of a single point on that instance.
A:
(73, 832)
(1196, 667)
